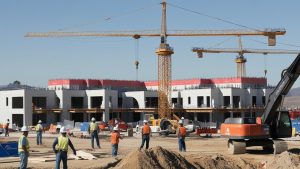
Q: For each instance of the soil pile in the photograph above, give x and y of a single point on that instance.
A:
(157, 157)
(219, 161)
(287, 159)
(160, 158)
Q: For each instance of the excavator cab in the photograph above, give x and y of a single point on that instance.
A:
(281, 126)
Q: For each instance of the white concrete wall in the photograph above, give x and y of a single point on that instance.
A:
(7, 111)
(65, 101)
(108, 104)
(140, 97)
(193, 94)
(95, 93)
(50, 103)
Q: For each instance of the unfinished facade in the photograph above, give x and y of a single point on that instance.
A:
(206, 100)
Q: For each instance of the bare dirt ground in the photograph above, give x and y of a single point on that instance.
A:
(198, 148)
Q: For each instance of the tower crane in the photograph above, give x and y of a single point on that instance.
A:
(240, 59)
(164, 51)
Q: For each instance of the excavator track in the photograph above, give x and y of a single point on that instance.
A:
(279, 146)
(236, 147)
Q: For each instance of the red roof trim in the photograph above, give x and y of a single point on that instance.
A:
(131, 83)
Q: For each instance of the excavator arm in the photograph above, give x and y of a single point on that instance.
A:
(289, 76)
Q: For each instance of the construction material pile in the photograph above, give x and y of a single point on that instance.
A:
(287, 159)
(160, 158)
(157, 157)
(219, 161)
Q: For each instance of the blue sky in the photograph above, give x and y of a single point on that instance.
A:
(33, 61)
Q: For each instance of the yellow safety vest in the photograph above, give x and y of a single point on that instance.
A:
(38, 127)
(93, 126)
(63, 143)
(20, 149)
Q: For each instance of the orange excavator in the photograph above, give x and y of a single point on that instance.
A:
(266, 130)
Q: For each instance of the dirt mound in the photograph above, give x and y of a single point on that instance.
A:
(287, 159)
(160, 158)
(219, 161)
(157, 157)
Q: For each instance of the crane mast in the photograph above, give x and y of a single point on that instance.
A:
(164, 53)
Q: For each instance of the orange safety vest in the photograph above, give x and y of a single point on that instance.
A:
(182, 131)
(115, 138)
(146, 129)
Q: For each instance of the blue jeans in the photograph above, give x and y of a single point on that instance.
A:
(114, 151)
(94, 135)
(145, 138)
(39, 137)
(181, 143)
(23, 160)
(62, 155)
(6, 132)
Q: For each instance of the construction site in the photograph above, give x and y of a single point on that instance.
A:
(225, 123)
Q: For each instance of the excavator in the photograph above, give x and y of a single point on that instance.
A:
(265, 131)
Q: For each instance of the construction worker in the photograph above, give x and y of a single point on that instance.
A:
(146, 130)
(181, 133)
(60, 147)
(94, 131)
(23, 148)
(115, 136)
(39, 131)
(6, 128)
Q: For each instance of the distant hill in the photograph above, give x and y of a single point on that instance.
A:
(294, 92)
(292, 99)
(17, 85)
(292, 102)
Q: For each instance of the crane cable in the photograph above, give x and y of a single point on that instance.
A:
(286, 44)
(109, 18)
(220, 43)
(265, 65)
(136, 62)
(213, 17)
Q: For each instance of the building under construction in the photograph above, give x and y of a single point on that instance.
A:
(206, 100)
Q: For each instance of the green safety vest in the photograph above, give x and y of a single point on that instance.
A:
(93, 126)
(38, 127)
(63, 143)
(20, 149)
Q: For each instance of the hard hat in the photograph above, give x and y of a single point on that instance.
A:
(40, 122)
(24, 128)
(145, 121)
(63, 130)
(116, 128)
(182, 118)
(93, 119)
